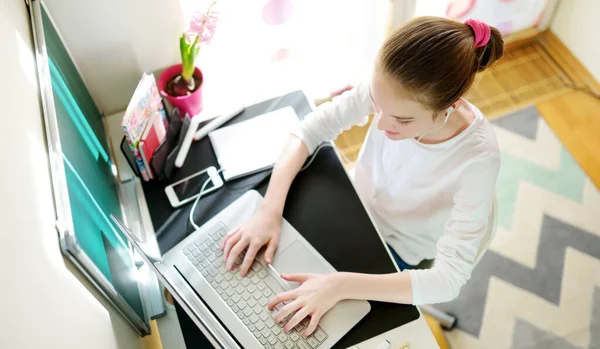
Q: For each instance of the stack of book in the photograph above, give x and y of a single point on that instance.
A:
(144, 124)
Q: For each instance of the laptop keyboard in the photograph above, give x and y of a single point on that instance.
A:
(248, 296)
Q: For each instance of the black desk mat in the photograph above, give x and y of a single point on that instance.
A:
(322, 205)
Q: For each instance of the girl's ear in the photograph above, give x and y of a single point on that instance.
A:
(459, 103)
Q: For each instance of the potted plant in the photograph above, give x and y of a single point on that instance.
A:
(181, 84)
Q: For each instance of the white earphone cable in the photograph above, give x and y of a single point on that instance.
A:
(196, 227)
(310, 161)
(448, 112)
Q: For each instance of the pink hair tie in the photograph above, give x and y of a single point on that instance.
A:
(482, 31)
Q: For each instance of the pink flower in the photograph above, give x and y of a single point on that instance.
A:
(203, 25)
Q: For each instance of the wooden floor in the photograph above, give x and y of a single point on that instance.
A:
(541, 73)
(575, 118)
(152, 341)
(524, 76)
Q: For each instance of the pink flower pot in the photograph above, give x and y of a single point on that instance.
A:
(190, 104)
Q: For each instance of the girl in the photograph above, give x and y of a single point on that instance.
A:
(426, 172)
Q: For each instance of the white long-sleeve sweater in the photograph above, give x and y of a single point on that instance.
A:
(427, 200)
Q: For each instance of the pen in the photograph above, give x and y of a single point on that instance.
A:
(192, 135)
(187, 142)
(384, 345)
(216, 122)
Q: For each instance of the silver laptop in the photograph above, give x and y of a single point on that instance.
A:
(231, 310)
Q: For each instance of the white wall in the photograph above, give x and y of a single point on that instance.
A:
(577, 24)
(114, 41)
(43, 303)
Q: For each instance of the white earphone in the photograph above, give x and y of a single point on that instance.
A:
(448, 112)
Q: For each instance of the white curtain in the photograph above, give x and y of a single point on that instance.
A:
(265, 47)
(402, 11)
(508, 16)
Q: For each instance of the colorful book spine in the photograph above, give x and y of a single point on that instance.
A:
(136, 154)
(144, 112)
(140, 146)
(156, 103)
(134, 122)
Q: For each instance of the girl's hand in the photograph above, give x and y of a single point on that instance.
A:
(313, 298)
(262, 229)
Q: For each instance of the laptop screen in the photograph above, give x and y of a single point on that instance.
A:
(158, 269)
(137, 245)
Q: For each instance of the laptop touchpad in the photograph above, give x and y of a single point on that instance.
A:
(296, 258)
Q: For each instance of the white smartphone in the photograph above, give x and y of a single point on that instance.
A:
(188, 189)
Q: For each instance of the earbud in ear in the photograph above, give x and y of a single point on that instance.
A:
(448, 112)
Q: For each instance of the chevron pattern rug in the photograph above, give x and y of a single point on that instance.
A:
(538, 286)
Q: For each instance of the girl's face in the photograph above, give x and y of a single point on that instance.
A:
(399, 117)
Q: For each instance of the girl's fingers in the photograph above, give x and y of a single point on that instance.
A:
(250, 254)
(235, 252)
(314, 321)
(281, 297)
(227, 236)
(271, 247)
(295, 320)
(296, 277)
(229, 245)
(287, 310)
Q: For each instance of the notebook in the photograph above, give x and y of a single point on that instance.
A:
(254, 145)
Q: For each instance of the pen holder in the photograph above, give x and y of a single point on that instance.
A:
(162, 161)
